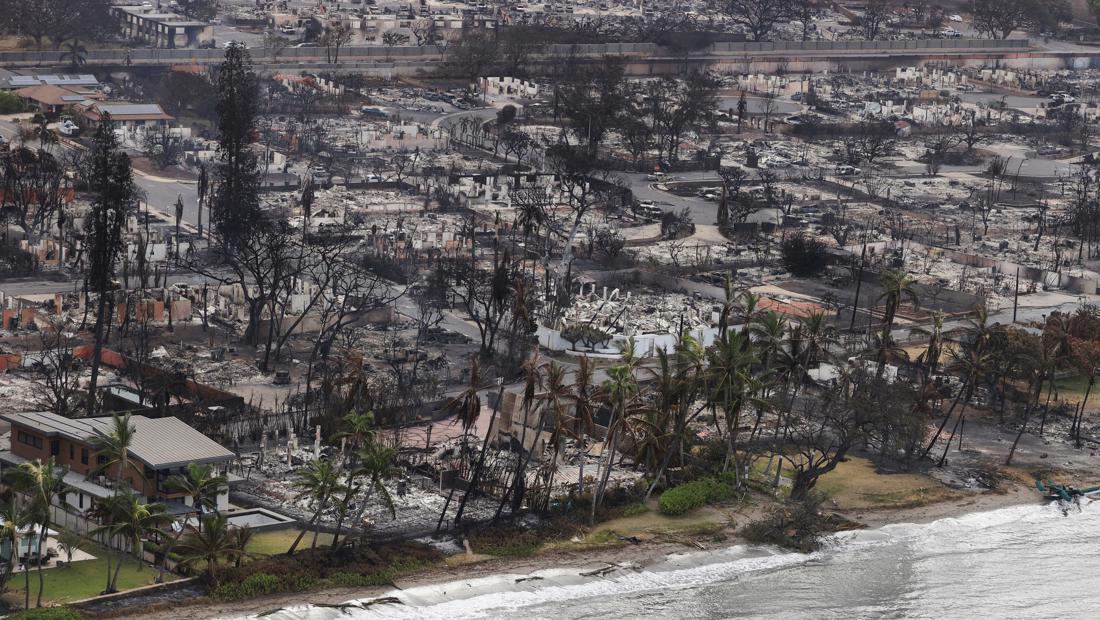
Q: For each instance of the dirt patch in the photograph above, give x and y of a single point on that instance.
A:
(856, 484)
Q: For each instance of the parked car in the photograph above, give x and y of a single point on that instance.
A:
(68, 128)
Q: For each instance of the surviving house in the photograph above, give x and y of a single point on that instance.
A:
(126, 116)
(161, 447)
(50, 99)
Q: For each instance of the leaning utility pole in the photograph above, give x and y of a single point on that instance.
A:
(859, 284)
(1016, 297)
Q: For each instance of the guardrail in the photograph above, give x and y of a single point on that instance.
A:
(383, 53)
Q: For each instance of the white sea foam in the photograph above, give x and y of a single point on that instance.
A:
(900, 570)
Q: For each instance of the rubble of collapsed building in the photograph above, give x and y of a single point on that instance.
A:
(600, 320)
(881, 169)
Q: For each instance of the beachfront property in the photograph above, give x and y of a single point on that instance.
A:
(162, 447)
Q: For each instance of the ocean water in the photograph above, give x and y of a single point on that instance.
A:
(1022, 562)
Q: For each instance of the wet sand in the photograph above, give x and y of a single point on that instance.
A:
(647, 552)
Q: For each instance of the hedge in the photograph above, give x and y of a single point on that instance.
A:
(689, 496)
(48, 613)
(259, 584)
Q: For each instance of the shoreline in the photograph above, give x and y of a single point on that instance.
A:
(649, 552)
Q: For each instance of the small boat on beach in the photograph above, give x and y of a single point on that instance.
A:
(1062, 492)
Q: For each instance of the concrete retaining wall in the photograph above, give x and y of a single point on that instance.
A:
(379, 53)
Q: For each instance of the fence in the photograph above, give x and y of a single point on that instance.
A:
(888, 46)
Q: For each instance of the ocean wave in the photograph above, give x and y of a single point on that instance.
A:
(1026, 531)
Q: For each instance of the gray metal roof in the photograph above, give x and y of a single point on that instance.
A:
(129, 109)
(158, 442)
(83, 79)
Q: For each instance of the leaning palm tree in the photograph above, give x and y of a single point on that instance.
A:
(1036, 365)
(358, 427)
(769, 336)
(930, 357)
(747, 308)
(114, 444)
(555, 399)
(14, 517)
(42, 483)
(201, 484)
(107, 513)
(241, 536)
(169, 537)
(320, 481)
(621, 389)
(533, 381)
(971, 361)
(70, 541)
(897, 288)
(584, 409)
(467, 405)
(735, 384)
(376, 465)
(127, 519)
(680, 392)
(208, 548)
(819, 336)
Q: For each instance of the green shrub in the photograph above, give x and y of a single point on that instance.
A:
(384, 577)
(10, 103)
(48, 613)
(686, 497)
(728, 478)
(298, 583)
(259, 584)
(356, 580)
(634, 510)
(311, 568)
(252, 585)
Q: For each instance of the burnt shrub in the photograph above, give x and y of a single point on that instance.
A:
(804, 255)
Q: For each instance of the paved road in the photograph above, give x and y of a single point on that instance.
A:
(1018, 102)
(160, 193)
(454, 117)
(223, 34)
(702, 211)
(782, 106)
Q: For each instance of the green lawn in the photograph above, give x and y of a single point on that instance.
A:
(1072, 388)
(278, 541)
(83, 579)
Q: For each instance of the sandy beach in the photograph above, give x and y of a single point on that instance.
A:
(460, 567)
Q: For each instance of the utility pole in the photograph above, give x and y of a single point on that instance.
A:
(1016, 297)
(859, 284)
